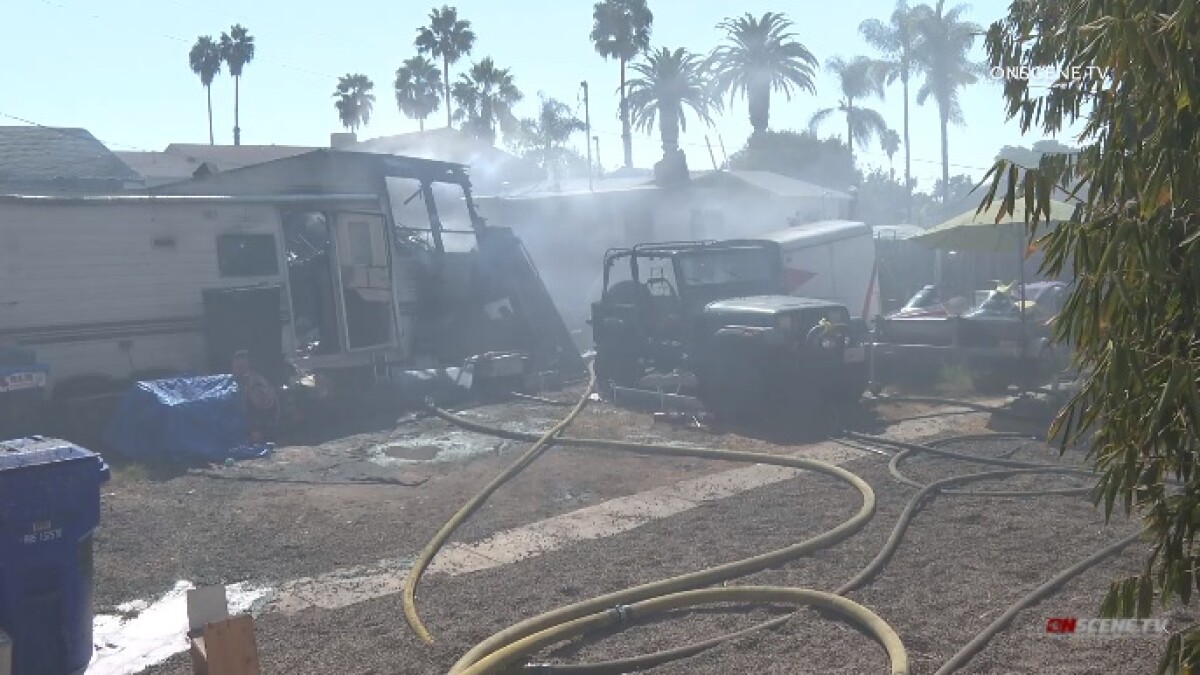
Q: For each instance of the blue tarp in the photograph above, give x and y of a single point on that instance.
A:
(183, 420)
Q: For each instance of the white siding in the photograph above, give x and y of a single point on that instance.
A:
(184, 352)
(75, 265)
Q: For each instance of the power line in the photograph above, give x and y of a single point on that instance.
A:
(67, 132)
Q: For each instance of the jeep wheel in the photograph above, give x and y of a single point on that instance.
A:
(851, 384)
(621, 370)
(733, 387)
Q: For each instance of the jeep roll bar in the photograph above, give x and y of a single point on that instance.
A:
(669, 249)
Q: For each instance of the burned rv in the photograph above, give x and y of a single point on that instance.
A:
(333, 264)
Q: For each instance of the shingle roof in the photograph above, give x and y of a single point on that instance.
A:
(35, 158)
(226, 157)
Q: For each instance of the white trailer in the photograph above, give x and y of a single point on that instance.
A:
(831, 260)
(110, 289)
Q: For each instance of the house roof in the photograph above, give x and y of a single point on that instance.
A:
(774, 183)
(579, 186)
(226, 157)
(158, 168)
(324, 171)
(765, 181)
(35, 158)
(489, 165)
(180, 161)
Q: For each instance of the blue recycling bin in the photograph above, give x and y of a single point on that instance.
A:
(49, 507)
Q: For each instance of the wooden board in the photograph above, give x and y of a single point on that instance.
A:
(227, 647)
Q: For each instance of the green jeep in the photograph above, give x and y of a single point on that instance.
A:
(718, 311)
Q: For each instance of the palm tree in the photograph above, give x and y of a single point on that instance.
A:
(446, 37)
(354, 100)
(890, 142)
(544, 138)
(237, 49)
(762, 57)
(621, 30)
(205, 59)
(486, 95)
(858, 78)
(417, 93)
(668, 82)
(896, 40)
(943, 47)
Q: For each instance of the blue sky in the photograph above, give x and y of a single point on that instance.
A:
(119, 68)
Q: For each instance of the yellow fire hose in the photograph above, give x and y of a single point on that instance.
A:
(856, 613)
(501, 651)
(659, 589)
(439, 539)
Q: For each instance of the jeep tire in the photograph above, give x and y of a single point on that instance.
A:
(733, 386)
(622, 370)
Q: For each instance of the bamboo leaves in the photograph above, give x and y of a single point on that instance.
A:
(1133, 315)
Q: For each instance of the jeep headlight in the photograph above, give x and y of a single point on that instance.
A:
(785, 323)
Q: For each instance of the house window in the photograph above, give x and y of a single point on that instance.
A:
(247, 255)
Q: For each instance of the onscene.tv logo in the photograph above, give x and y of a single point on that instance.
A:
(1065, 625)
(1050, 73)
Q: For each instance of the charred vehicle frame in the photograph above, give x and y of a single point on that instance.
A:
(717, 310)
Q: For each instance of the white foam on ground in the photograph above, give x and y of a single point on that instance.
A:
(150, 632)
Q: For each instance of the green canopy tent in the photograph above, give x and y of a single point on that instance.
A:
(981, 232)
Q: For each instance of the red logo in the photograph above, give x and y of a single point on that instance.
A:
(1061, 625)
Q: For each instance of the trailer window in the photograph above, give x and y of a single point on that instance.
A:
(247, 255)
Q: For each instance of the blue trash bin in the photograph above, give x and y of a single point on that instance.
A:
(49, 507)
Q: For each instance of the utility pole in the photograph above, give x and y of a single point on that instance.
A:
(599, 164)
(587, 127)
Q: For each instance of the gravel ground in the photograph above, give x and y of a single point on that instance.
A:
(963, 561)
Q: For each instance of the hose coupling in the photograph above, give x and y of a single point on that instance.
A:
(429, 402)
(621, 613)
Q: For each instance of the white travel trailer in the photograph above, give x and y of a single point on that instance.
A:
(831, 260)
(305, 262)
(108, 289)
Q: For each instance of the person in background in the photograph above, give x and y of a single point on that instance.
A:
(258, 397)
